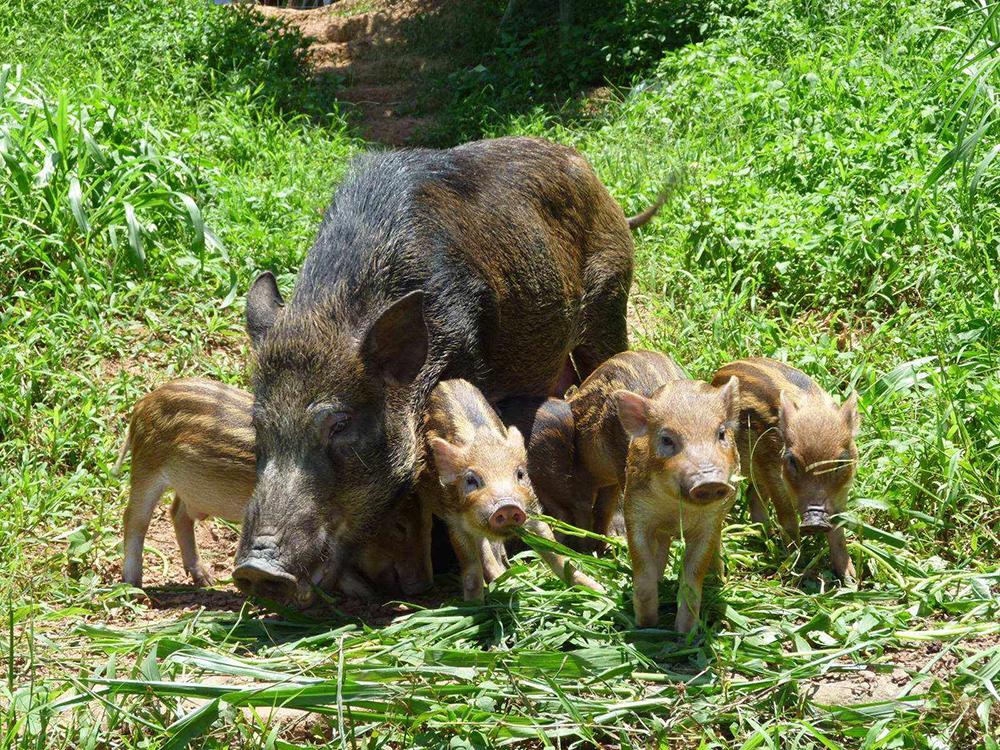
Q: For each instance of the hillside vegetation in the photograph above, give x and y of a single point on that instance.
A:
(838, 211)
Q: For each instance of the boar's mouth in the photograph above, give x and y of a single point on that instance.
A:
(262, 576)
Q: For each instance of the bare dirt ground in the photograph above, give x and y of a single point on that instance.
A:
(363, 45)
(901, 673)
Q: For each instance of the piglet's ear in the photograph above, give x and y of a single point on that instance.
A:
(448, 459)
(514, 438)
(786, 411)
(396, 344)
(851, 415)
(633, 412)
(730, 394)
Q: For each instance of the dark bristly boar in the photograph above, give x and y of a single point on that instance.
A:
(476, 480)
(195, 436)
(601, 444)
(495, 261)
(682, 465)
(798, 448)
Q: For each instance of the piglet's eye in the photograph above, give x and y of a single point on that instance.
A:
(722, 433)
(472, 481)
(667, 446)
(793, 465)
(521, 474)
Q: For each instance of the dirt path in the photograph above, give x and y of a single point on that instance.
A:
(364, 46)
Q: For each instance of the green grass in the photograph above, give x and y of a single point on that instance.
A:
(838, 211)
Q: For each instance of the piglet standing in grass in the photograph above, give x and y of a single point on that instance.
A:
(798, 446)
(476, 480)
(681, 468)
(195, 436)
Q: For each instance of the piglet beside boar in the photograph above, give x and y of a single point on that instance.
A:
(494, 262)
(476, 480)
(798, 448)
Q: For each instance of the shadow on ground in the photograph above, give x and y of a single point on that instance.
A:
(439, 72)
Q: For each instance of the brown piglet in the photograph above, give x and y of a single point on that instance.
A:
(196, 437)
(798, 447)
(601, 445)
(475, 478)
(681, 468)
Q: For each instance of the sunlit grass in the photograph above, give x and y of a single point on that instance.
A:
(814, 225)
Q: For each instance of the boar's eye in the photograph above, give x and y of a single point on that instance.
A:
(472, 482)
(339, 423)
(521, 474)
(722, 433)
(793, 465)
(666, 445)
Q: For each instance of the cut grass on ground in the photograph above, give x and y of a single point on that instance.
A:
(155, 155)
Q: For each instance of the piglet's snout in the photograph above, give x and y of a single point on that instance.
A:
(507, 517)
(708, 487)
(815, 521)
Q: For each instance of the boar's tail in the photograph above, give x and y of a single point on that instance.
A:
(123, 452)
(634, 222)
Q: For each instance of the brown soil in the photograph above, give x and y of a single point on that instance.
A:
(362, 45)
(907, 671)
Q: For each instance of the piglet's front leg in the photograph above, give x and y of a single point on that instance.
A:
(702, 549)
(468, 550)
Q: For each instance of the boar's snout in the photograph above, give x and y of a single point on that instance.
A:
(258, 576)
(815, 521)
(507, 517)
(259, 572)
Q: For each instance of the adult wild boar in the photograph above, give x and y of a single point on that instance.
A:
(493, 262)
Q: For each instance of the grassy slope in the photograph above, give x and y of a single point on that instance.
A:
(801, 232)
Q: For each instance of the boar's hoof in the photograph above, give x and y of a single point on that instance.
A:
(710, 492)
(507, 517)
(264, 579)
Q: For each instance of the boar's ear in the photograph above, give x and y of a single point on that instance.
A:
(396, 344)
(730, 394)
(448, 459)
(263, 303)
(633, 412)
(786, 411)
(514, 438)
(849, 411)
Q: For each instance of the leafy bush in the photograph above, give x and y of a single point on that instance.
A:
(533, 60)
(76, 178)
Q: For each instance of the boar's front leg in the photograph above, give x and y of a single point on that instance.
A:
(470, 563)
(701, 550)
(559, 565)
